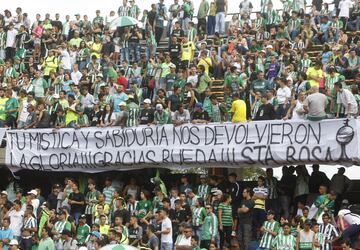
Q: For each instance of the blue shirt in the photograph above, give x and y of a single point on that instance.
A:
(117, 99)
(324, 26)
(6, 234)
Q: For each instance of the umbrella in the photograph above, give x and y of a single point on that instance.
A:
(123, 21)
(118, 247)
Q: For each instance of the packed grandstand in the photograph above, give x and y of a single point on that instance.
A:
(169, 65)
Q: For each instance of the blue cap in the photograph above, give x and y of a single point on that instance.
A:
(96, 234)
(198, 105)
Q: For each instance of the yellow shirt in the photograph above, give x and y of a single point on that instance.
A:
(187, 51)
(238, 108)
(314, 73)
(206, 62)
(104, 229)
(96, 47)
(2, 108)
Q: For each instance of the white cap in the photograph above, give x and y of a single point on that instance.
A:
(33, 191)
(122, 104)
(159, 106)
(56, 96)
(269, 46)
(218, 192)
(13, 242)
(147, 100)
(4, 192)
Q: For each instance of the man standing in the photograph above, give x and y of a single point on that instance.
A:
(16, 218)
(315, 104)
(201, 16)
(135, 232)
(10, 42)
(108, 191)
(244, 219)
(221, 10)
(46, 243)
(209, 228)
(166, 231)
(77, 202)
(346, 99)
(329, 231)
(271, 184)
(340, 184)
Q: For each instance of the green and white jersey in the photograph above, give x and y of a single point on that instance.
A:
(284, 242)
(294, 24)
(305, 63)
(271, 17)
(287, 4)
(92, 198)
(226, 216)
(320, 238)
(203, 191)
(266, 239)
(263, 5)
(60, 226)
(210, 227)
(133, 114)
(198, 216)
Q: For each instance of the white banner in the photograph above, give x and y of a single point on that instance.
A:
(267, 143)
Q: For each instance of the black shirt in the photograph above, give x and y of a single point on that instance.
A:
(317, 179)
(203, 115)
(75, 208)
(52, 201)
(265, 112)
(175, 51)
(146, 116)
(151, 17)
(175, 102)
(246, 218)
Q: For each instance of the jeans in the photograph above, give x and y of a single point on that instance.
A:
(211, 25)
(134, 52)
(258, 219)
(184, 25)
(124, 52)
(351, 232)
(220, 23)
(244, 235)
(158, 34)
(150, 51)
(197, 231)
(354, 25)
(225, 236)
(285, 204)
(166, 246)
(76, 216)
(26, 244)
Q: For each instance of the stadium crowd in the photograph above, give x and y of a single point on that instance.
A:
(208, 213)
(83, 72)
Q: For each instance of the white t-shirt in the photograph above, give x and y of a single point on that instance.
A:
(65, 60)
(16, 221)
(76, 76)
(165, 224)
(344, 7)
(185, 241)
(10, 37)
(282, 94)
(349, 217)
(345, 98)
(35, 203)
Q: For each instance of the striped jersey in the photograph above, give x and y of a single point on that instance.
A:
(320, 239)
(305, 63)
(226, 216)
(59, 226)
(92, 198)
(284, 242)
(210, 227)
(267, 238)
(30, 223)
(203, 191)
(271, 185)
(329, 232)
(198, 216)
(259, 203)
(108, 192)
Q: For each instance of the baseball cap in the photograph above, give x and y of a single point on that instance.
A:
(130, 97)
(13, 242)
(269, 46)
(307, 222)
(4, 192)
(96, 234)
(122, 104)
(198, 105)
(147, 100)
(188, 190)
(159, 106)
(56, 96)
(33, 192)
(270, 212)
(217, 192)
(203, 176)
(83, 216)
